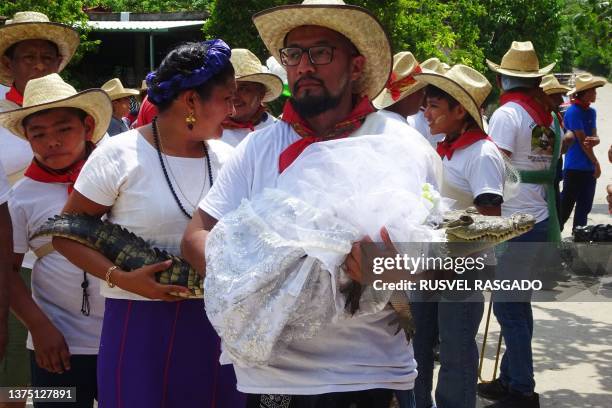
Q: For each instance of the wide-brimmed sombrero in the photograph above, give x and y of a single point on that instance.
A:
(521, 61)
(550, 85)
(115, 90)
(31, 25)
(466, 85)
(51, 92)
(587, 81)
(357, 24)
(248, 68)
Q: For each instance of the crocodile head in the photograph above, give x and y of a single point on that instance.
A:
(469, 225)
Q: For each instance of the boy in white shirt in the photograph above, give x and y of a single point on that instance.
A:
(64, 311)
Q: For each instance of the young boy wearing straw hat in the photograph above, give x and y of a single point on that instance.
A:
(337, 56)
(64, 311)
(581, 168)
(120, 98)
(524, 129)
(402, 94)
(30, 47)
(253, 88)
(417, 120)
(473, 176)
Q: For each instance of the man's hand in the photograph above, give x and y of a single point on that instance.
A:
(353, 265)
(50, 348)
(591, 141)
(609, 198)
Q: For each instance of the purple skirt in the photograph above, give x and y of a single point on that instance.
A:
(162, 354)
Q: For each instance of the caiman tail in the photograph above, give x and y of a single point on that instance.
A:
(122, 247)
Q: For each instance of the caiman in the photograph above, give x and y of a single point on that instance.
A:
(125, 249)
(129, 252)
(467, 231)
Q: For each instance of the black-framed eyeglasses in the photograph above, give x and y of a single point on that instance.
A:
(318, 55)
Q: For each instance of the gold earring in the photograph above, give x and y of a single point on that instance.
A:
(190, 119)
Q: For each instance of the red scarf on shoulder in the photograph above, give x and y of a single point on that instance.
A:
(13, 95)
(345, 127)
(539, 115)
(37, 172)
(447, 149)
(582, 104)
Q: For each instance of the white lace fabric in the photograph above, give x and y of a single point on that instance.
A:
(273, 264)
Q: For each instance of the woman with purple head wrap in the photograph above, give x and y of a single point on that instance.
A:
(157, 349)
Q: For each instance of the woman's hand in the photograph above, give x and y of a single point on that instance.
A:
(50, 348)
(142, 282)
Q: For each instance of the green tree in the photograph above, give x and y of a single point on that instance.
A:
(521, 20)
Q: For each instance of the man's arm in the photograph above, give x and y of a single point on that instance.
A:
(6, 252)
(194, 240)
(587, 148)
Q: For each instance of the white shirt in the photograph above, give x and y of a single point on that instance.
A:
(419, 122)
(56, 283)
(355, 354)
(476, 169)
(511, 129)
(15, 152)
(125, 173)
(5, 188)
(235, 136)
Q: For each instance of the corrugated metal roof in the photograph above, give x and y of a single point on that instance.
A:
(142, 26)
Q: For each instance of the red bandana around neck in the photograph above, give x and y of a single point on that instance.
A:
(582, 104)
(38, 173)
(348, 125)
(539, 115)
(464, 140)
(13, 95)
(230, 123)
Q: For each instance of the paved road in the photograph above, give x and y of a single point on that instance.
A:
(572, 340)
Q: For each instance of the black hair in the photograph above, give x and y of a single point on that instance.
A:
(10, 51)
(184, 59)
(432, 91)
(80, 113)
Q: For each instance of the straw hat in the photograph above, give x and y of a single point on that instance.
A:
(31, 25)
(434, 64)
(51, 92)
(401, 82)
(587, 81)
(469, 87)
(115, 90)
(550, 85)
(248, 68)
(355, 23)
(520, 61)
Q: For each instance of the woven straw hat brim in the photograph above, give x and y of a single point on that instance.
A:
(522, 74)
(126, 92)
(455, 90)
(273, 84)
(384, 99)
(93, 101)
(66, 38)
(355, 23)
(595, 84)
(562, 90)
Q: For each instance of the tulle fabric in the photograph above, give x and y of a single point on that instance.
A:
(274, 264)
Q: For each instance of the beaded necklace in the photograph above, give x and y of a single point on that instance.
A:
(163, 166)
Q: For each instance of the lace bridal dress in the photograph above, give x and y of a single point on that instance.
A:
(273, 264)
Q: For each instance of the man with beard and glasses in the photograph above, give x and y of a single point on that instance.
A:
(337, 58)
